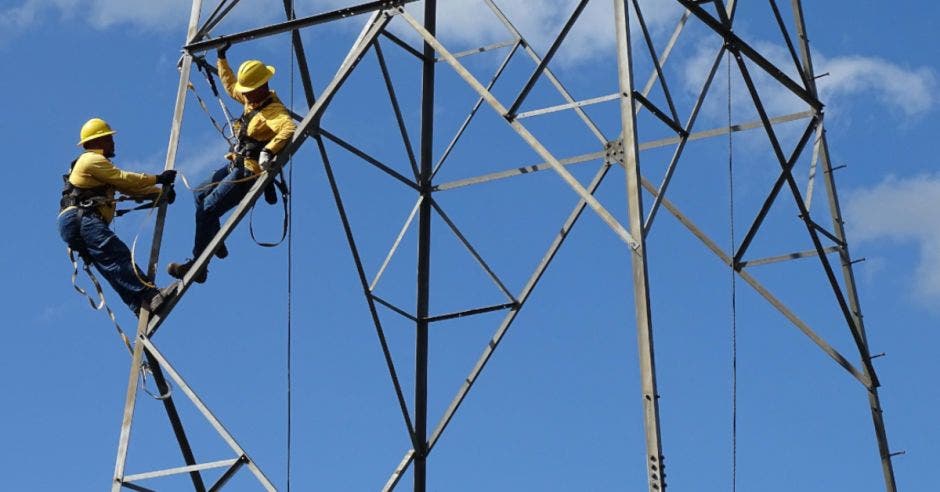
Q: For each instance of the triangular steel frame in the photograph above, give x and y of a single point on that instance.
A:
(622, 151)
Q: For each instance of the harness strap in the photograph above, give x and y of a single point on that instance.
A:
(245, 145)
(285, 192)
(145, 369)
(101, 303)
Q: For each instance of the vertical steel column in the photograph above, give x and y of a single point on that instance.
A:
(644, 325)
(130, 399)
(424, 252)
(848, 275)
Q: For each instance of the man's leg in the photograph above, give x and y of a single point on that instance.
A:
(113, 259)
(207, 222)
(219, 194)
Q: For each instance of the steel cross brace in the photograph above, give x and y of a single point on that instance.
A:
(149, 323)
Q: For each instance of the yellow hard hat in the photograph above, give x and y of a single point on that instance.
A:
(95, 128)
(253, 74)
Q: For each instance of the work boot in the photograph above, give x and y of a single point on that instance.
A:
(163, 295)
(222, 252)
(179, 270)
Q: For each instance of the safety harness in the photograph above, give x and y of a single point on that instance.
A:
(245, 146)
(85, 199)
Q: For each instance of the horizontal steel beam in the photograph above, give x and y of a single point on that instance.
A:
(471, 312)
(180, 469)
(724, 130)
(792, 256)
(481, 49)
(291, 25)
(562, 107)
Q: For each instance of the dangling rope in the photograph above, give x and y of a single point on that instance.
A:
(289, 214)
(734, 307)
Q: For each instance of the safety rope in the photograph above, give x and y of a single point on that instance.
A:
(289, 225)
(734, 301)
(140, 228)
(203, 66)
(102, 303)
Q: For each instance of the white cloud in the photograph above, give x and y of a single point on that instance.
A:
(162, 15)
(902, 210)
(149, 15)
(14, 20)
(909, 92)
(466, 24)
(913, 91)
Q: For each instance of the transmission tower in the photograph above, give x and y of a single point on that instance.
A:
(648, 116)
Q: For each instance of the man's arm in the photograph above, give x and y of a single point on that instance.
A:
(129, 183)
(228, 80)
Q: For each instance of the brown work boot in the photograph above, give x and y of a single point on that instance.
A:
(179, 270)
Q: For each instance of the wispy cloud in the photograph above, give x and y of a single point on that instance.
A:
(14, 20)
(147, 15)
(473, 23)
(206, 154)
(902, 210)
(913, 91)
(903, 91)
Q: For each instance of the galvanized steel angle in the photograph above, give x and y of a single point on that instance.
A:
(763, 291)
(655, 60)
(604, 214)
(370, 299)
(501, 331)
(470, 249)
(393, 99)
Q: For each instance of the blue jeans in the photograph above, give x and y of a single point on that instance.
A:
(96, 243)
(214, 197)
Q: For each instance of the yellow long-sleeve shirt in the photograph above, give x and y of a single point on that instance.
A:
(93, 169)
(273, 124)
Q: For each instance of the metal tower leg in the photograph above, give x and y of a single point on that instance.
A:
(848, 274)
(424, 252)
(644, 324)
(131, 398)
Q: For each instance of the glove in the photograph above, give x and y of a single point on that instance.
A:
(167, 177)
(220, 52)
(266, 160)
(169, 195)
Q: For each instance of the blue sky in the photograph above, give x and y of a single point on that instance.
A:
(558, 407)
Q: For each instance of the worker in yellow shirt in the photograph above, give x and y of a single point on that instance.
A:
(87, 208)
(262, 131)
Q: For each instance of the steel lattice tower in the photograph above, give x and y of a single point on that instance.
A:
(644, 109)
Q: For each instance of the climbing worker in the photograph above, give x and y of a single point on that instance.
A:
(88, 206)
(263, 129)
